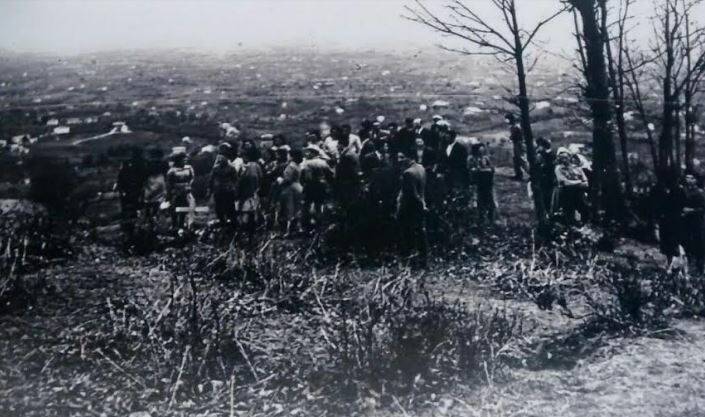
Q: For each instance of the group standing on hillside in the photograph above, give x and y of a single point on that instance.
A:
(386, 180)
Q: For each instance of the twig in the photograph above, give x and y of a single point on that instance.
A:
(178, 378)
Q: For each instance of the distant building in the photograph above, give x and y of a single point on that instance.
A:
(53, 122)
(440, 104)
(62, 130)
(73, 121)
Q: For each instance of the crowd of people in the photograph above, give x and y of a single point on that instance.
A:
(388, 182)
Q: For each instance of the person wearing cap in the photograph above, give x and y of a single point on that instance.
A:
(221, 186)
(179, 179)
(411, 209)
(247, 203)
(572, 186)
(516, 136)
(316, 176)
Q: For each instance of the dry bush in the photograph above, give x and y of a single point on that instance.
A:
(265, 333)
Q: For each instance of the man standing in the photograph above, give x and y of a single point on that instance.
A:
(693, 222)
(516, 135)
(411, 208)
(404, 139)
(130, 182)
(222, 187)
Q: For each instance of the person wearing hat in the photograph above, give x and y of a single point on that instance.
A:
(572, 186)
(179, 179)
(516, 136)
(316, 175)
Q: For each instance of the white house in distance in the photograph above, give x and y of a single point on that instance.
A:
(53, 122)
(73, 121)
(62, 130)
(440, 104)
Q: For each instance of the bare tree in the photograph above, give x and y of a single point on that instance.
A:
(606, 190)
(615, 65)
(680, 48)
(508, 43)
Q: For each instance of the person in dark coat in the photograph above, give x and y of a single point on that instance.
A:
(424, 155)
(411, 208)
(130, 183)
(429, 136)
(404, 140)
(669, 205)
(222, 187)
(692, 221)
(457, 165)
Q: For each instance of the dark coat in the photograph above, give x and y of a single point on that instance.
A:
(412, 197)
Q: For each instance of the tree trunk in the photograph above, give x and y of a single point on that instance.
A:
(617, 85)
(665, 143)
(525, 120)
(607, 190)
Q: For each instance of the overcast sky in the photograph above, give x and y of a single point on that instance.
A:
(77, 26)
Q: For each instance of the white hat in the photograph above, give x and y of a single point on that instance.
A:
(380, 119)
(417, 121)
(563, 150)
(186, 139)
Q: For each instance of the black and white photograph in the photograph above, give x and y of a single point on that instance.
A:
(352, 208)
